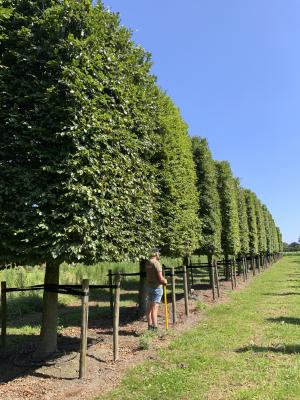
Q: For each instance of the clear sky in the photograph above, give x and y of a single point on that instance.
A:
(233, 69)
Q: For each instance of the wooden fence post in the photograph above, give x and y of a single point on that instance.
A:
(253, 265)
(173, 277)
(185, 288)
(234, 272)
(84, 327)
(212, 278)
(243, 268)
(246, 267)
(3, 313)
(111, 296)
(217, 277)
(231, 274)
(116, 318)
(142, 289)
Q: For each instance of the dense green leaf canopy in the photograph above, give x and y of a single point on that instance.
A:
(261, 229)
(179, 223)
(252, 223)
(79, 122)
(209, 202)
(243, 219)
(230, 235)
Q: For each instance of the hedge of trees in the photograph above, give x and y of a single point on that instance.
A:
(96, 160)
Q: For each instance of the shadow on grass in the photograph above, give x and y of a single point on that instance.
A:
(284, 349)
(285, 320)
(282, 294)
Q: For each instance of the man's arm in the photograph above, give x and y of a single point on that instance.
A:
(161, 278)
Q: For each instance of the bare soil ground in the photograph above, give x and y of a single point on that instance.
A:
(21, 379)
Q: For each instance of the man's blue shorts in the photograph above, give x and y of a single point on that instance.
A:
(154, 295)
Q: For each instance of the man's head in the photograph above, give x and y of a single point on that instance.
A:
(155, 253)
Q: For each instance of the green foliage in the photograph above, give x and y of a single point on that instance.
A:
(146, 339)
(178, 196)
(252, 224)
(230, 236)
(209, 203)
(261, 229)
(243, 219)
(201, 306)
(291, 247)
(267, 219)
(279, 236)
(78, 111)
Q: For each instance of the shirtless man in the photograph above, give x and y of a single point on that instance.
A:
(155, 280)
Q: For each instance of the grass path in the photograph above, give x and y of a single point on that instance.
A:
(248, 348)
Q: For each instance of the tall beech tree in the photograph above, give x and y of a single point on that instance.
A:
(280, 242)
(178, 196)
(230, 236)
(243, 219)
(276, 245)
(79, 131)
(261, 228)
(209, 202)
(269, 230)
(252, 224)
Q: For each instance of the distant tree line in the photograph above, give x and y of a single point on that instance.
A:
(96, 161)
(294, 246)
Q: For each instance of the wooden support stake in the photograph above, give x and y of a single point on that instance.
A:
(188, 275)
(243, 268)
(231, 275)
(142, 289)
(3, 313)
(258, 262)
(246, 267)
(234, 272)
(173, 276)
(84, 328)
(116, 318)
(185, 288)
(211, 270)
(217, 277)
(111, 295)
(253, 265)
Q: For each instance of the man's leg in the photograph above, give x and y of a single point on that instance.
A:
(149, 314)
(155, 314)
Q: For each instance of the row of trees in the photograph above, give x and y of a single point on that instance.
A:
(96, 161)
(234, 221)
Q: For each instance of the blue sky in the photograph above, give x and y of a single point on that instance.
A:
(233, 69)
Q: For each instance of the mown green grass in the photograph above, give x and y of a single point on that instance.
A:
(248, 348)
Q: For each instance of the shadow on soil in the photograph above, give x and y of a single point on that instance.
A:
(284, 349)
(18, 361)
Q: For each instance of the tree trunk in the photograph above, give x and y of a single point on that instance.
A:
(48, 335)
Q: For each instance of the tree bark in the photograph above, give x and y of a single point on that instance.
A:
(48, 334)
